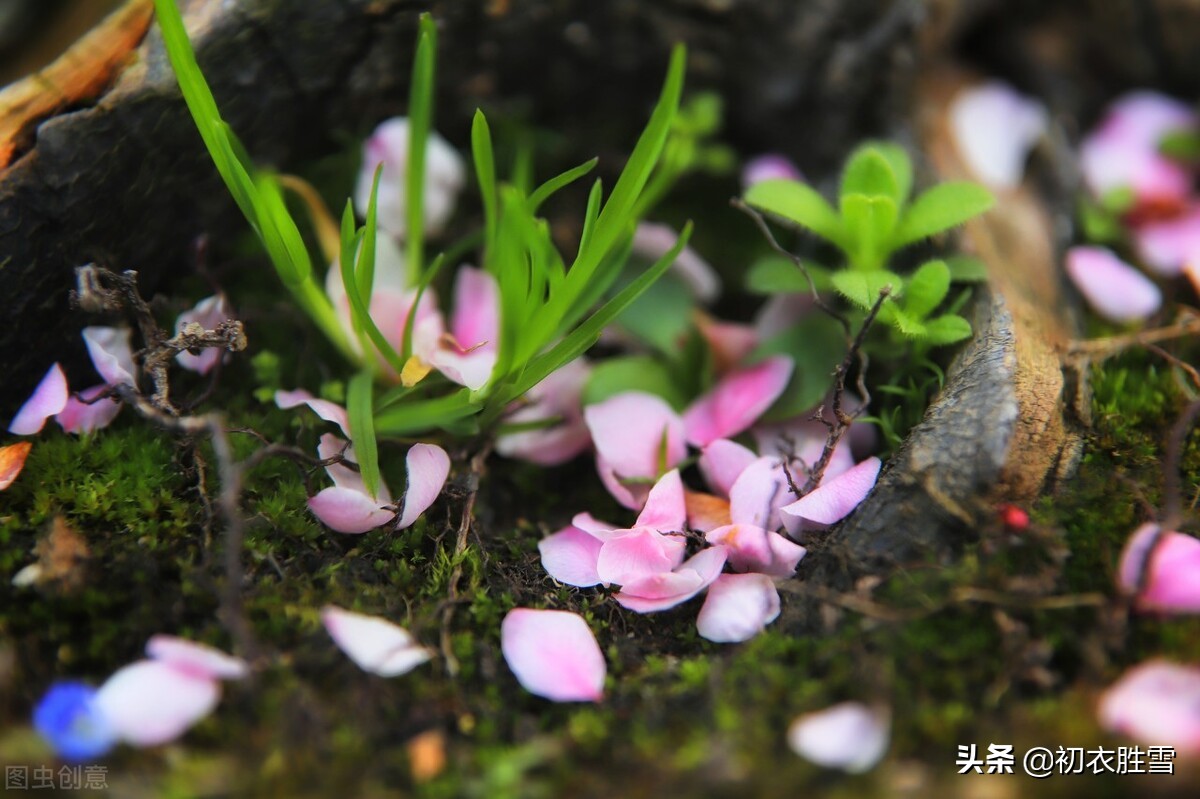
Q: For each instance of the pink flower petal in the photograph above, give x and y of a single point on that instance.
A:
(151, 702)
(753, 549)
(850, 736)
(1113, 288)
(737, 608)
(476, 317)
(638, 553)
(1173, 578)
(80, 416)
(341, 474)
(665, 509)
(769, 166)
(559, 396)
(759, 493)
(994, 129)
(428, 467)
(196, 659)
(722, 462)
(737, 401)
(781, 312)
(730, 342)
(373, 643)
(570, 556)
(632, 432)
(833, 500)
(667, 589)
(553, 655)
(1166, 245)
(652, 241)
(348, 511)
(329, 411)
(111, 354)
(471, 369)
(208, 313)
(1156, 703)
(594, 527)
(48, 399)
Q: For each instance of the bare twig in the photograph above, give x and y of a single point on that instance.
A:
(1101, 348)
(460, 548)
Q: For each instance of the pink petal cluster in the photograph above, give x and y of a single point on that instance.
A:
(154, 701)
(208, 313)
(1160, 569)
(1156, 703)
(373, 643)
(444, 178)
(553, 655)
(994, 128)
(1113, 288)
(81, 412)
(851, 736)
(347, 506)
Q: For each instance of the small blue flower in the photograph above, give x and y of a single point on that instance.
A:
(67, 717)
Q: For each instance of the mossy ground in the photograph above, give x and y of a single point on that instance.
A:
(681, 716)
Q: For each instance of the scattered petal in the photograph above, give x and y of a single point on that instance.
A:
(705, 511)
(593, 526)
(329, 411)
(667, 589)
(48, 399)
(737, 401)
(1157, 703)
(636, 554)
(1166, 245)
(570, 556)
(769, 166)
(753, 549)
(652, 241)
(87, 413)
(348, 511)
(476, 317)
(208, 313)
(12, 461)
(833, 500)
(68, 718)
(1172, 576)
(373, 643)
(151, 702)
(850, 736)
(722, 462)
(428, 467)
(342, 475)
(196, 659)
(994, 129)
(1113, 288)
(553, 655)
(759, 493)
(738, 607)
(729, 342)
(637, 435)
(111, 353)
(665, 509)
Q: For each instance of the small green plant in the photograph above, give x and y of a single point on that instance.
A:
(874, 219)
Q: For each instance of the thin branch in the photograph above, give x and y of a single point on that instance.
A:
(460, 548)
(1101, 348)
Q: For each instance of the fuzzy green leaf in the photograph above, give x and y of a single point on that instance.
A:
(940, 208)
(362, 429)
(926, 289)
(901, 166)
(966, 269)
(869, 223)
(870, 173)
(774, 274)
(947, 329)
(863, 287)
(800, 204)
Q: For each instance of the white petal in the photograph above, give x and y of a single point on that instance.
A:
(151, 702)
(374, 643)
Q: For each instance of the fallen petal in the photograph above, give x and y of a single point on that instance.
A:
(652, 241)
(476, 317)
(329, 411)
(705, 511)
(48, 399)
(570, 556)
(374, 643)
(69, 720)
(348, 511)
(150, 702)
(738, 607)
(1157, 703)
(1172, 576)
(833, 500)
(668, 589)
(1166, 245)
(196, 659)
(994, 129)
(12, 461)
(636, 554)
(636, 433)
(428, 467)
(111, 353)
(342, 475)
(722, 462)
(86, 414)
(850, 736)
(753, 549)
(759, 493)
(1113, 288)
(665, 509)
(559, 396)
(737, 401)
(553, 655)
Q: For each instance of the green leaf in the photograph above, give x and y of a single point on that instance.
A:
(614, 376)
(420, 123)
(947, 329)
(1181, 145)
(544, 191)
(869, 172)
(910, 326)
(901, 166)
(362, 429)
(966, 269)
(926, 289)
(800, 204)
(485, 174)
(862, 287)
(774, 274)
(940, 208)
(407, 418)
(661, 316)
(816, 345)
(869, 223)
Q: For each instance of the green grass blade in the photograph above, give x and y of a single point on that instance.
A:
(362, 429)
(420, 123)
(485, 173)
(554, 184)
(406, 418)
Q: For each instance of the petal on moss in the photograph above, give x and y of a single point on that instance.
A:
(722, 462)
(665, 590)
(665, 509)
(753, 549)
(150, 702)
(571, 556)
(196, 659)
(329, 411)
(348, 511)
(994, 129)
(48, 399)
(1171, 561)
(633, 431)
(12, 461)
(553, 654)
(850, 736)
(1113, 288)
(86, 413)
(738, 607)
(1156, 703)
(637, 554)
(375, 644)
(428, 467)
